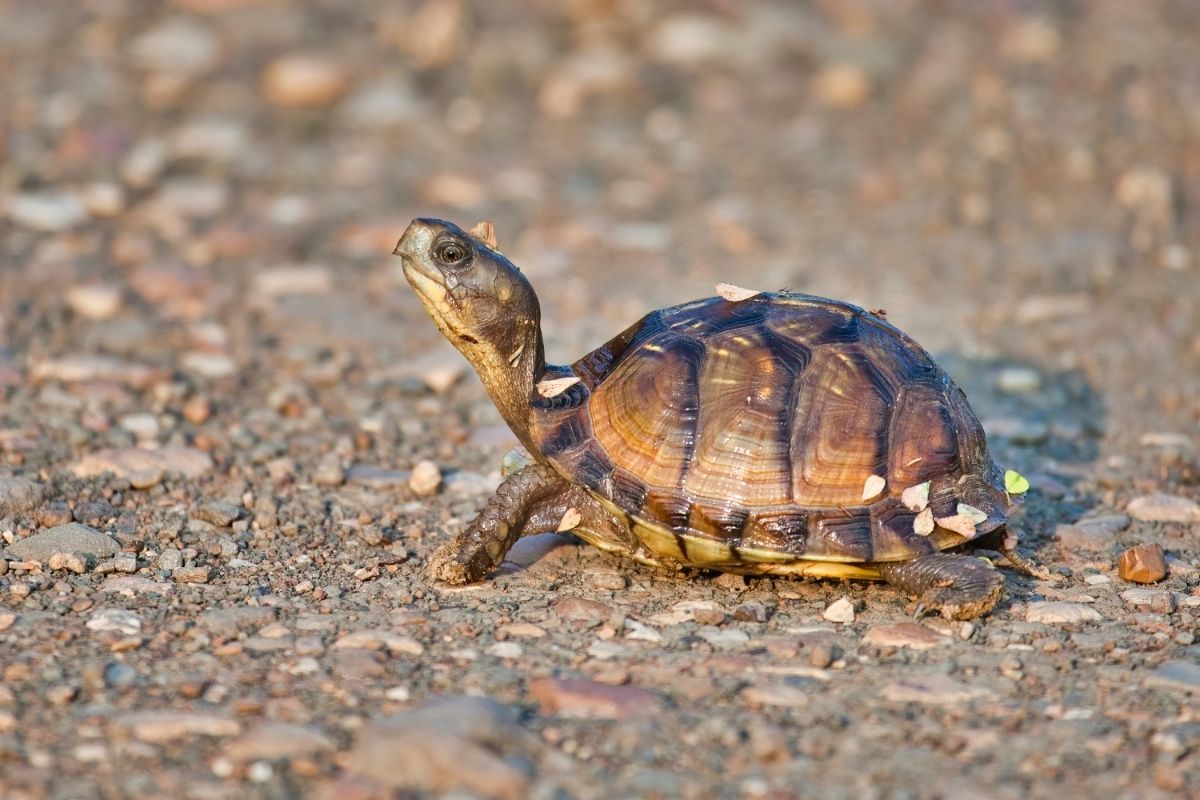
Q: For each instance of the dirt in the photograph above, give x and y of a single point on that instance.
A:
(213, 374)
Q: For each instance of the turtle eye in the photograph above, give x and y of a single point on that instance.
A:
(452, 253)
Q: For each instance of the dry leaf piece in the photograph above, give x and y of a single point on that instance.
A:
(916, 498)
(485, 232)
(923, 524)
(570, 518)
(553, 388)
(962, 524)
(971, 512)
(873, 487)
(735, 294)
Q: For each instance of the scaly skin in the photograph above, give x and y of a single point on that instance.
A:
(481, 547)
(959, 586)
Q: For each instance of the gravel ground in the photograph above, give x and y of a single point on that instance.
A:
(229, 438)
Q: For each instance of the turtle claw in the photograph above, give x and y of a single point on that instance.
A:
(920, 612)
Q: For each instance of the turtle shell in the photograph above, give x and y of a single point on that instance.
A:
(749, 432)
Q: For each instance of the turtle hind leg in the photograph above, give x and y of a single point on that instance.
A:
(957, 585)
(482, 545)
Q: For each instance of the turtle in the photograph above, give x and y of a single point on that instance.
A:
(761, 433)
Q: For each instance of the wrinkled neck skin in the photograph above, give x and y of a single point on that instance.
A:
(510, 381)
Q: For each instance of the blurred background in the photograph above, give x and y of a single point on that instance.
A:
(212, 187)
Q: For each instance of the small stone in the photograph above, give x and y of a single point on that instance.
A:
(7, 619)
(590, 700)
(578, 609)
(1018, 380)
(143, 426)
(84, 369)
(1159, 507)
(115, 620)
(1058, 612)
(935, 689)
(49, 211)
(472, 745)
(123, 463)
(509, 650)
(71, 562)
(218, 513)
(18, 495)
(724, 638)
(1145, 563)
(208, 365)
(372, 639)
(1157, 601)
(1091, 534)
(94, 301)
(61, 695)
(104, 200)
(158, 727)
(197, 409)
(284, 281)
(1033, 40)
(190, 575)
(840, 610)
(780, 695)
(119, 676)
(752, 611)
(905, 634)
(69, 538)
(425, 478)
(329, 471)
(821, 655)
(303, 81)
(275, 740)
(730, 581)
(1183, 675)
(521, 630)
(177, 45)
(842, 86)
(607, 579)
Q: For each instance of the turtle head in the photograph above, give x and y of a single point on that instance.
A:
(482, 304)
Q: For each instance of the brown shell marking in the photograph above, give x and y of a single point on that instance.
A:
(743, 432)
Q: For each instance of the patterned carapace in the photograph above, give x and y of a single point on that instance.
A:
(754, 425)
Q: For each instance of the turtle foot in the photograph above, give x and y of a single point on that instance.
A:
(958, 586)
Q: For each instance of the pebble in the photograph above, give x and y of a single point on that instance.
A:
(934, 689)
(69, 538)
(1159, 507)
(840, 610)
(218, 513)
(730, 581)
(190, 575)
(1093, 535)
(510, 650)
(115, 620)
(521, 630)
(583, 699)
(425, 479)
(303, 81)
(7, 619)
(1145, 563)
(119, 676)
(94, 301)
(607, 579)
(71, 562)
(1049, 307)
(49, 211)
(197, 409)
(780, 695)
(132, 585)
(329, 471)
(1176, 675)
(905, 634)
(1158, 601)
(842, 86)
(579, 609)
(105, 200)
(457, 744)
(274, 740)
(1018, 380)
(158, 727)
(723, 638)
(131, 461)
(372, 639)
(208, 365)
(177, 44)
(1057, 612)
(85, 369)
(821, 655)
(18, 495)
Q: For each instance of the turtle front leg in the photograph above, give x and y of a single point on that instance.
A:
(959, 586)
(481, 547)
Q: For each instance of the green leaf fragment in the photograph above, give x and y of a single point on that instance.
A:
(1015, 482)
